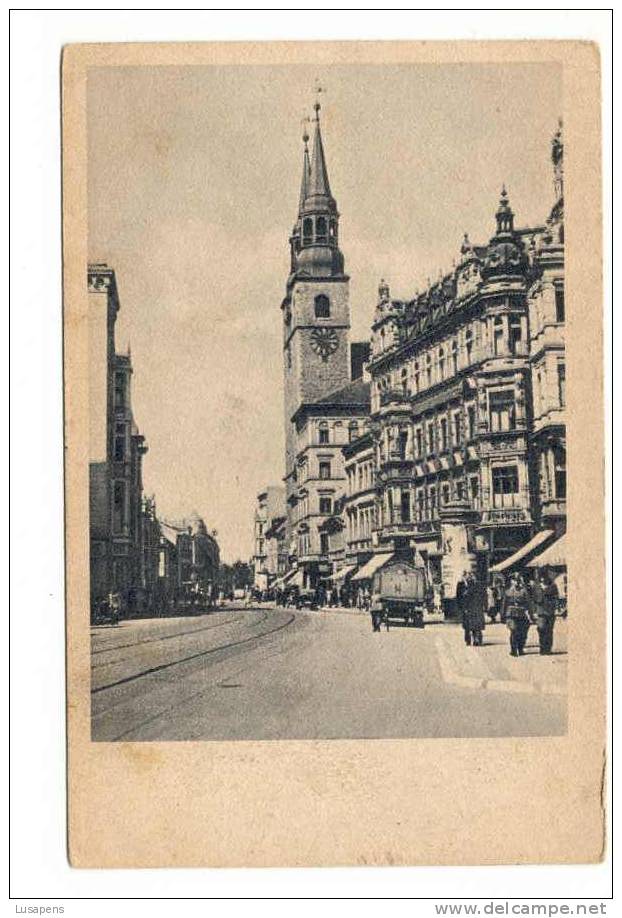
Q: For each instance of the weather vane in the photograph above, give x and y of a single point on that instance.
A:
(318, 90)
(303, 124)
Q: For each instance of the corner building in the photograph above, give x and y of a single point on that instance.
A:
(469, 462)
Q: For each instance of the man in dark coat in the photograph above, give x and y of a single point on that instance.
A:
(544, 597)
(517, 614)
(462, 601)
(476, 603)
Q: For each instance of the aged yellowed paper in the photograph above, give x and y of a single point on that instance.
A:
(379, 398)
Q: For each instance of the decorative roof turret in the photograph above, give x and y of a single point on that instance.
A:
(505, 255)
(384, 293)
(466, 249)
(504, 215)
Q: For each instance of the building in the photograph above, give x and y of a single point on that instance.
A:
(548, 360)
(118, 518)
(128, 450)
(276, 548)
(270, 509)
(468, 389)
(189, 561)
(103, 306)
(322, 398)
(359, 506)
(323, 430)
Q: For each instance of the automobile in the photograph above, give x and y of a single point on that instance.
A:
(401, 589)
(306, 599)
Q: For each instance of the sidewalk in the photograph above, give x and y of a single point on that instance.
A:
(491, 666)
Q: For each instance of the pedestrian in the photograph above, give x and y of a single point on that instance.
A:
(499, 592)
(491, 603)
(461, 590)
(517, 614)
(476, 604)
(376, 611)
(462, 599)
(545, 599)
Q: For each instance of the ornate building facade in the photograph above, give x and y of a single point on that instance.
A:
(455, 449)
(468, 395)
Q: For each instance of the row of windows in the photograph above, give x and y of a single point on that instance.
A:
(446, 432)
(361, 523)
(325, 506)
(361, 477)
(304, 544)
(325, 435)
(505, 494)
(444, 361)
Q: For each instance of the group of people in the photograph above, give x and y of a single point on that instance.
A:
(520, 604)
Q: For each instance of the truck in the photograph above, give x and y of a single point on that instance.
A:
(401, 590)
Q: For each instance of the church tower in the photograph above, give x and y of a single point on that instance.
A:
(316, 311)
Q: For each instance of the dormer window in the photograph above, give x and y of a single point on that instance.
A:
(322, 306)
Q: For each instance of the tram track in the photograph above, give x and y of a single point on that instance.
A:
(157, 640)
(194, 656)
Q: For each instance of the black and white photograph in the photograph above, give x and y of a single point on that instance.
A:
(327, 402)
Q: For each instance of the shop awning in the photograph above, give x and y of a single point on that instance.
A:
(552, 556)
(290, 579)
(343, 573)
(538, 540)
(374, 564)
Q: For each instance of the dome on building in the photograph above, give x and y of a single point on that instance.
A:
(196, 524)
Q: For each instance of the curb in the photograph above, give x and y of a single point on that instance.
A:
(495, 685)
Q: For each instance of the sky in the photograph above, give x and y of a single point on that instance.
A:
(193, 183)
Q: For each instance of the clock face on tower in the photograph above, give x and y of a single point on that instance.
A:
(324, 342)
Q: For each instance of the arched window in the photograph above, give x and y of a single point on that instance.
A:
(321, 230)
(324, 435)
(353, 431)
(441, 364)
(416, 376)
(307, 231)
(428, 369)
(405, 381)
(322, 307)
(454, 357)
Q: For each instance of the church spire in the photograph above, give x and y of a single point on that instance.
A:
(318, 179)
(306, 171)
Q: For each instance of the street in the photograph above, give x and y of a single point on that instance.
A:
(272, 673)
